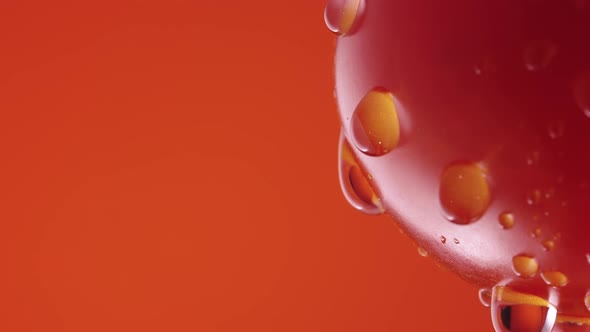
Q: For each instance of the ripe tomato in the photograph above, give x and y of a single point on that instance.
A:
(469, 123)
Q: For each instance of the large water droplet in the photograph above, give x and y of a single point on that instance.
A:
(342, 15)
(539, 54)
(587, 300)
(354, 183)
(582, 93)
(485, 297)
(506, 220)
(375, 124)
(554, 278)
(525, 266)
(518, 312)
(464, 192)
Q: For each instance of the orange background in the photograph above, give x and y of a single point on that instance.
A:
(171, 166)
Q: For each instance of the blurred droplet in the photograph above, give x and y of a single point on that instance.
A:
(422, 252)
(556, 129)
(533, 197)
(548, 245)
(538, 54)
(582, 93)
(443, 239)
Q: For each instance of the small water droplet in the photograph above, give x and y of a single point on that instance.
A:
(549, 193)
(443, 239)
(342, 15)
(464, 192)
(422, 252)
(554, 278)
(582, 93)
(536, 232)
(587, 300)
(556, 236)
(525, 266)
(485, 297)
(588, 258)
(538, 54)
(456, 241)
(534, 197)
(354, 183)
(375, 124)
(548, 245)
(485, 65)
(533, 158)
(556, 129)
(506, 220)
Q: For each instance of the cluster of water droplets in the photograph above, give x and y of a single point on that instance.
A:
(464, 191)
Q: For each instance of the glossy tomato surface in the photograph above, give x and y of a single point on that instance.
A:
(469, 123)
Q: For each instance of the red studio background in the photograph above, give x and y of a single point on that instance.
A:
(172, 166)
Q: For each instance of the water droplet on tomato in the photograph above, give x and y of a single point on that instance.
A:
(525, 266)
(533, 197)
(588, 258)
(539, 54)
(554, 278)
(536, 232)
(464, 192)
(533, 158)
(548, 245)
(556, 129)
(485, 297)
(456, 241)
(422, 252)
(520, 312)
(443, 239)
(524, 318)
(375, 124)
(354, 183)
(587, 300)
(485, 65)
(506, 220)
(341, 15)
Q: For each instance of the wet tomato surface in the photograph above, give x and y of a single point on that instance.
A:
(469, 123)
